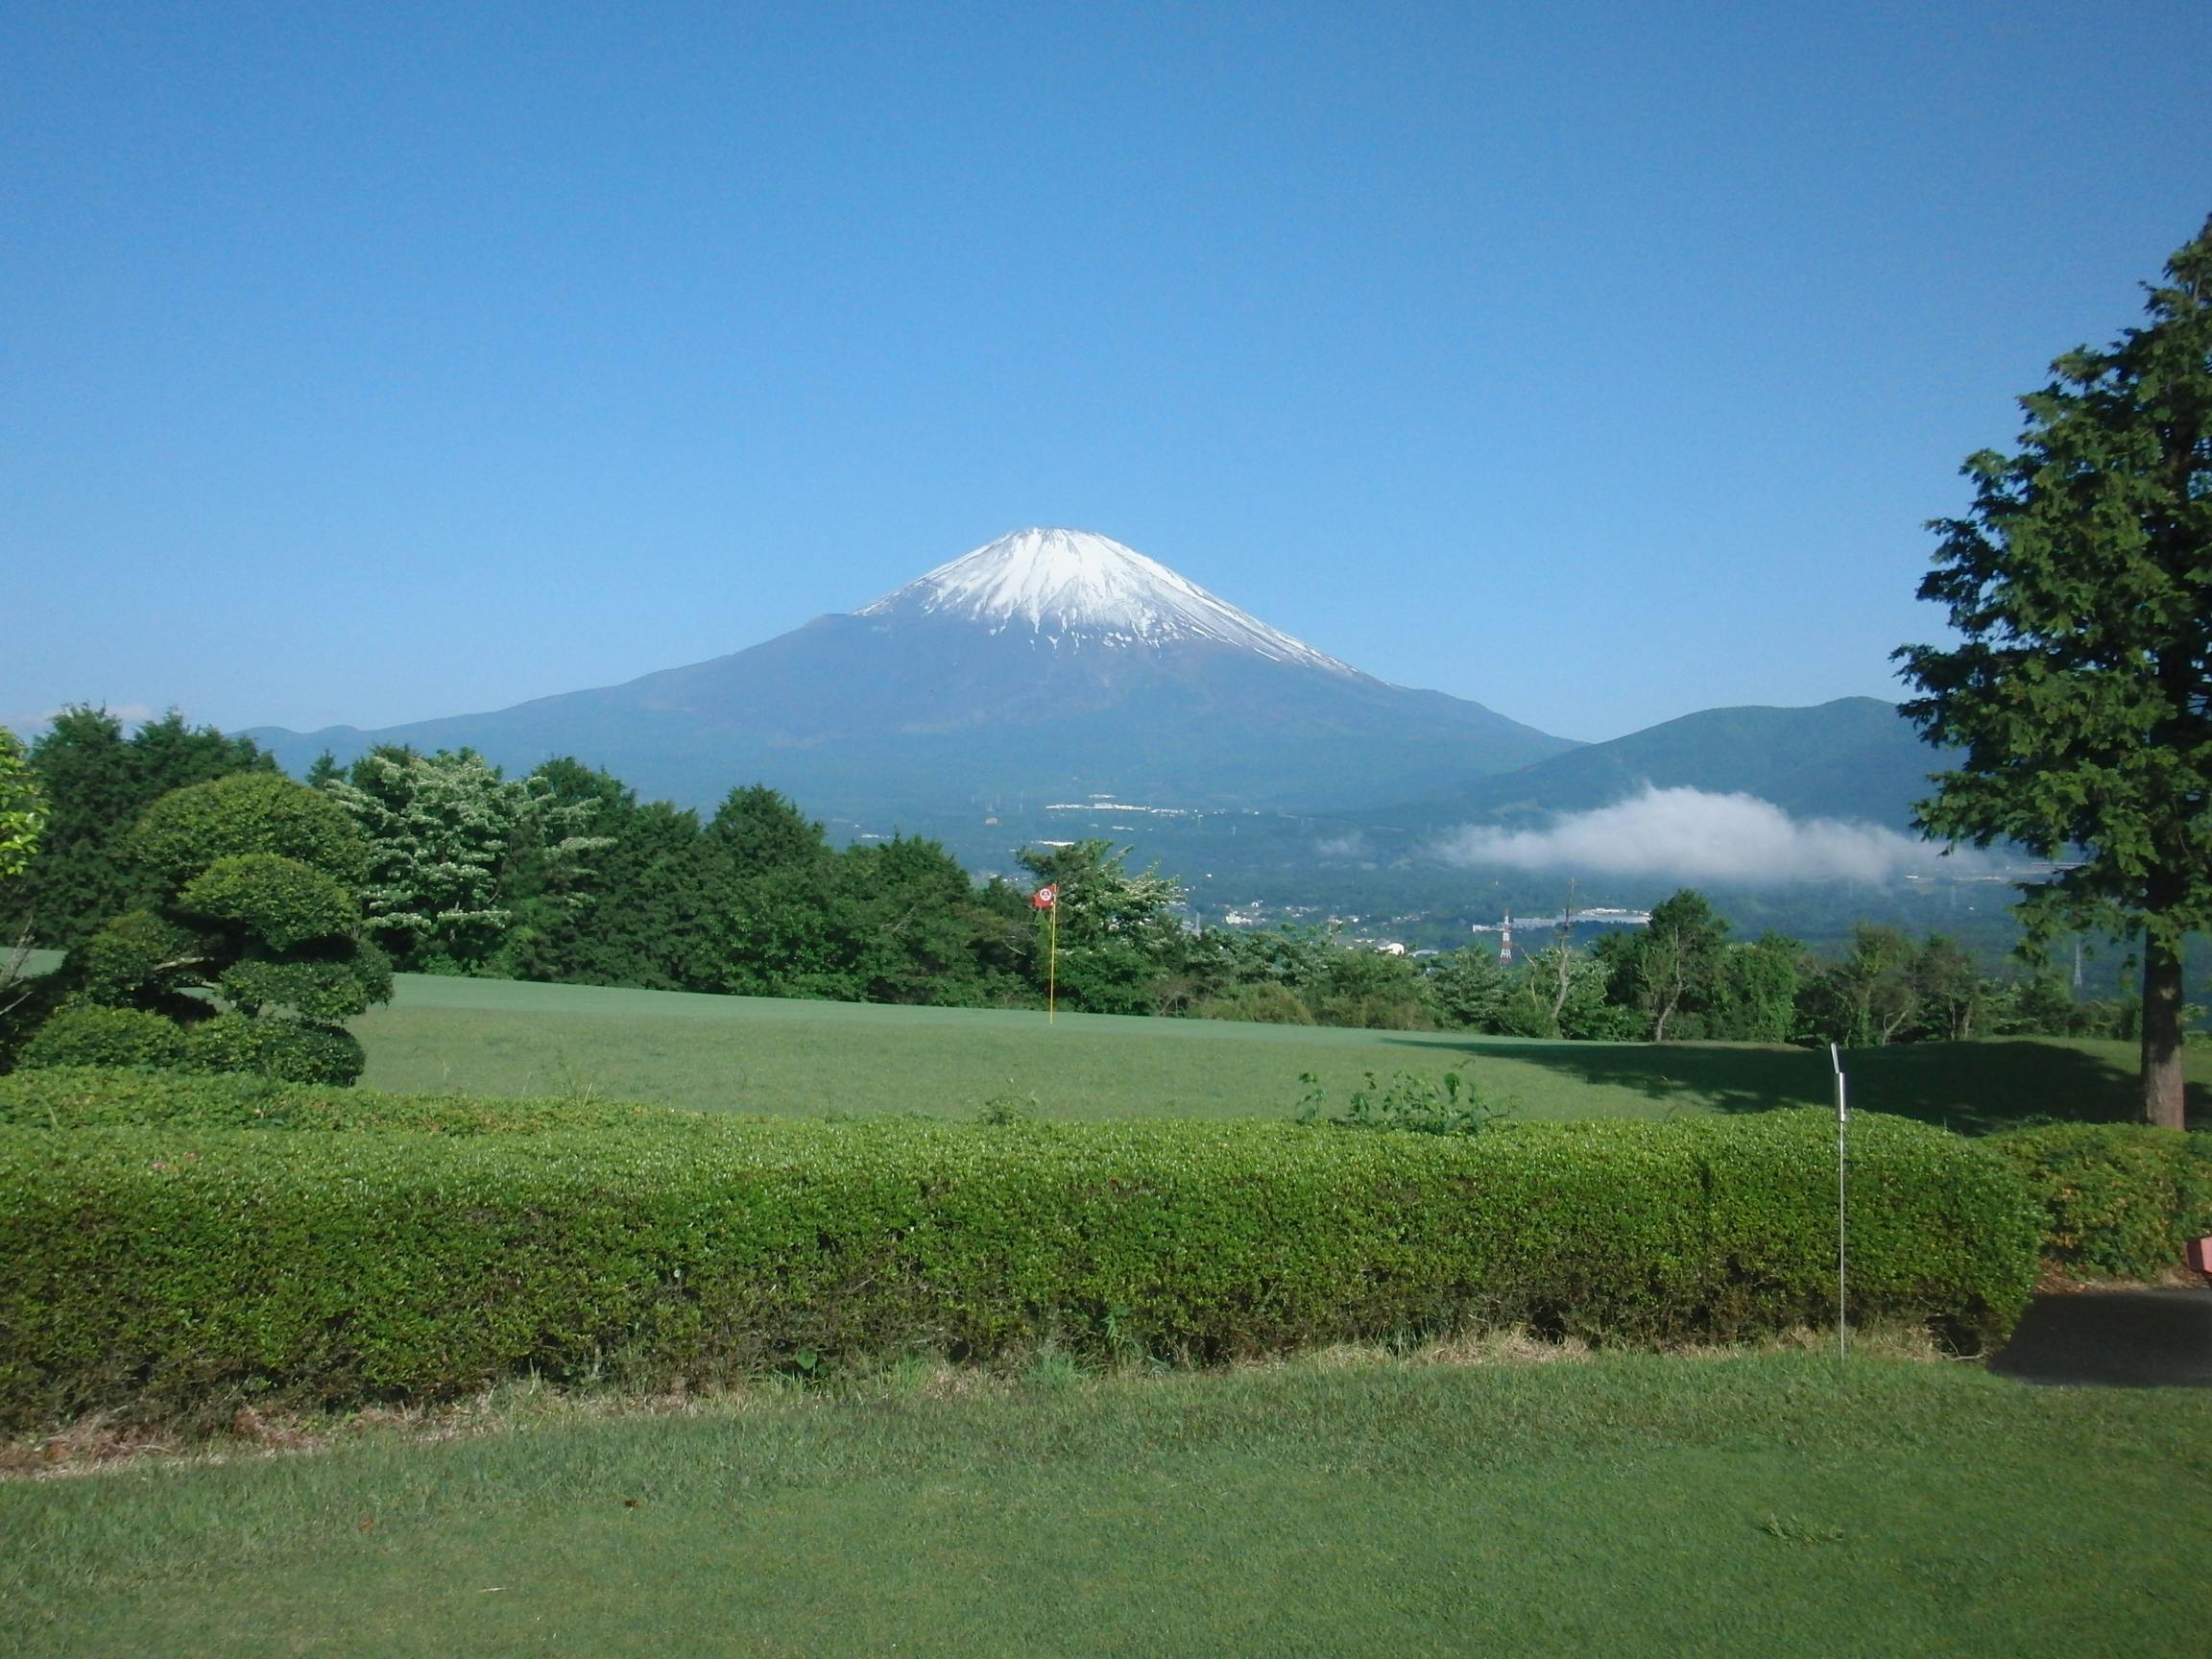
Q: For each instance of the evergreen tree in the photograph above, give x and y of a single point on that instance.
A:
(2080, 694)
(96, 780)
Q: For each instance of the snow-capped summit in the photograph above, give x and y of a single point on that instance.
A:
(1074, 585)
(1050, 666)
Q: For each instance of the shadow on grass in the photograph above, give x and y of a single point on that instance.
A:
(1973, 1087)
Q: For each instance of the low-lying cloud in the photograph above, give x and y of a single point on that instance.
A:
(1692, 835)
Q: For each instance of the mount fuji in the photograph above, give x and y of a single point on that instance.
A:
(1048, 664)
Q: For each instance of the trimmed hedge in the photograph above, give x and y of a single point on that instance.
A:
(2119, 1200)
(119, 1098)
(163, 1272)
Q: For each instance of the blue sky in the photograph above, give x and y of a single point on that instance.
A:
(1597, 362)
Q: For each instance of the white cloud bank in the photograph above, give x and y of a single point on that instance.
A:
(1696, 836)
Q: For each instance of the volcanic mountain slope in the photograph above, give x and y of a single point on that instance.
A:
(1047, 663)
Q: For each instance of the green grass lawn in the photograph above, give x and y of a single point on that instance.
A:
(743, 1054)
(1750, 1504)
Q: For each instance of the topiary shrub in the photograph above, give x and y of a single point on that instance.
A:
(88, 1034)
(248, 812)
(290, 1050)
(2117, 1200)
(256, 907)
(281, 901)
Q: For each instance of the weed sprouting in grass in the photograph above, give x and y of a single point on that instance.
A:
(1009, 1108)
(1789, 1529)
(1409, 1103)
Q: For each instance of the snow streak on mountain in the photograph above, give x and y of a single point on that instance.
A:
(1070, 585)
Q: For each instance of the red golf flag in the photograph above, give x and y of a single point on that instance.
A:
(1044, 897)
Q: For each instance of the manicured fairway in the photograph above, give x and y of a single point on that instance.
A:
(1753, 1505)
(741, 1054)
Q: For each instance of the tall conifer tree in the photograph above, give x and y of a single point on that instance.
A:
(2081, 691)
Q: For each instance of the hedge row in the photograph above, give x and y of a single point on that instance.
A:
(2119, 1200)
(114, 1097)
(161, 1271)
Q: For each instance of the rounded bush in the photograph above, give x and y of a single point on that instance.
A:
(88, 1034)
(188, 830)
(303, 1051)
(321, 991)
(279, 900)
(290, 1050)
(133, 957)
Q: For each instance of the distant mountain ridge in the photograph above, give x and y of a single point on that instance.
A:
(1048, 662)
(1856, 759)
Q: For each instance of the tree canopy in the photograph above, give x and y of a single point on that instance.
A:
(22, 813)
(95, 780)
(459, 856)
(2079, 694)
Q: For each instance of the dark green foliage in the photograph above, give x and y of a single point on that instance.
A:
(1374, 990)
(2080, 696)
(136, 958)
(96, 782)
(290, 1050)
(279, 900)
(1118, 931)
(1266, 1003)
(2120, 1200)
(1868, 998)
(88, 1034)
(159, 1270)
(249, 904)
(1470, 990)
(645, 894)
(1670, 971)
(1755, 992)
(321, 991)
(187, 832)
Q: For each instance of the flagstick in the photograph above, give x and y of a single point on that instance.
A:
(1053, 963)
(1842, 1131)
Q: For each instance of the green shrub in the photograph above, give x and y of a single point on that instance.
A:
(312, 990)
(294, 1051)
(87, 1034)
(129, 956)
(1410, 1104)
(162, 1271)
(86, 1097)
(1268, 1003)
(188, 830)
(279, 900)
(2119, 1200)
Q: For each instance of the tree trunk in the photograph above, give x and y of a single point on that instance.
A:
(2163, 1081)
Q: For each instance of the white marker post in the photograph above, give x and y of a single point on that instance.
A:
(1842, 1130)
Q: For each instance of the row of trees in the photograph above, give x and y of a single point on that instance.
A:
(439, 863)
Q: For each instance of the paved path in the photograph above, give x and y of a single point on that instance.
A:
(2114, 1339)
